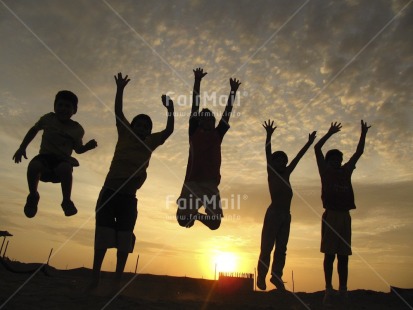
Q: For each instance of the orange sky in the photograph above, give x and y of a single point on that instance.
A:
(303, 64)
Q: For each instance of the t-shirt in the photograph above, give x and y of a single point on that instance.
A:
(280, 190)
(60, 138)
(127, 171)
(337, 191)
(204, 160)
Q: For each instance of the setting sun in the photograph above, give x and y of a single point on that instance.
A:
(225, 262)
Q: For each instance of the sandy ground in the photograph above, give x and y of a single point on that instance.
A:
(58, 289)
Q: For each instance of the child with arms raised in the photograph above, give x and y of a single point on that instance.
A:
(204, 161)
(116, 208)
(276, 227)
(338, 199)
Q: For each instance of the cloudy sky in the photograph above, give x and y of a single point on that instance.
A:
(302, 63)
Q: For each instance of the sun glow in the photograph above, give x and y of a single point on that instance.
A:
(225, 262)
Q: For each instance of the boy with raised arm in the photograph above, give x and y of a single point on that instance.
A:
(338, 199)
(61, 136)
(204, 161)
(276, 227)
(116, 209)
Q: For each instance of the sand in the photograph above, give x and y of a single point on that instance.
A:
(65, 289)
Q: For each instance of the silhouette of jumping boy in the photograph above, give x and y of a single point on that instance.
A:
(203, 170)
(276, 227)
(54, 163)
(116, 208)
(338, 199)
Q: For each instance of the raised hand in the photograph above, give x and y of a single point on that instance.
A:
(121, 82)
(234, 84)
(269, 127)
(335, 127)
(199, 73)
(17, 157)
(91, 144)
(312, 136)
(364, 127)
(167, 102)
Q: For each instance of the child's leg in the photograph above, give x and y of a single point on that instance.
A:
(188, 205)
(97, 265)
(125, 242)
(211, 200)
(105, 237)
(267, 244)
(64, 171)
(328, 269)
(212, 218)
(342, 268)
(186, 213)
(344, 250)
(105, 233)
(126, 214)
(122, 257)
(280, 252)
(34, 171)
(211, 221)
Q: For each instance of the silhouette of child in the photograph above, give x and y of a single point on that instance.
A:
(338, 199)
(61, 136)
(276, 227)
(116, 209)
(203, 170)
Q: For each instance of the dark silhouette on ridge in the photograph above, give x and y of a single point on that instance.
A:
(338, 199)
(276, 227)
(61, 136)
(202, 177)
(116, 208)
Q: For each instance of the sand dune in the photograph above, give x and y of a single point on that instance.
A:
(65, 289)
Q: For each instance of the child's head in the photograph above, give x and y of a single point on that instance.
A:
(279, 161)
(334, 158)
(206, 119)
(142, 125)
(65, 104)
(67, 95)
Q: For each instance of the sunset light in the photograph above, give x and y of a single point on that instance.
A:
(303, 66)
(226, 262)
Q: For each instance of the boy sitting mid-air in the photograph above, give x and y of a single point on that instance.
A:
(61, 135)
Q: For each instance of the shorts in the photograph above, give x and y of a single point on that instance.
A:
(194, 195)
(116, 216)
(50, 162)
(336, 232)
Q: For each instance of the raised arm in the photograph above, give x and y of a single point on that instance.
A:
(90, 145)
(269, 128)
(334, 128)
(198, 75)
(121, 82)
(21, 152)
(360, 147)
(169, 105)
(294, 162)
(231, 98)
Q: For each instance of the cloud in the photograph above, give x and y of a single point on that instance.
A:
(318, 67)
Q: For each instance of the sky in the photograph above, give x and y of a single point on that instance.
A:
(303, 64)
